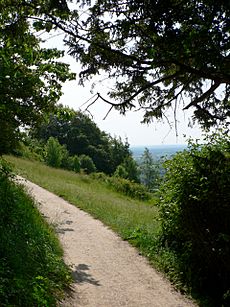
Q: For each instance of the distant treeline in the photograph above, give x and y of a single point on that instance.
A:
(71, 140)
(158, 151)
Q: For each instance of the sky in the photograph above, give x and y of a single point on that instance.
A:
(128, 126)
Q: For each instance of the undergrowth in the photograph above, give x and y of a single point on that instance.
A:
(124, 186)
(32, 272)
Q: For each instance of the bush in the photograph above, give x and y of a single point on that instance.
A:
(71, 163)
(121, 172)
(124, 186)
(87, 164)
(195, 212)
(54, 152)
(66, 161)
(129, 188)
(29, 148)
(76, 166)
(128, 170)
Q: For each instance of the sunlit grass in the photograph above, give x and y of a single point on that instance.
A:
(32, 272)
(134, 220)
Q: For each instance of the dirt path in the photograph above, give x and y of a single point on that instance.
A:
(108, 272)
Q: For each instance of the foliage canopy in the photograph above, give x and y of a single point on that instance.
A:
(81, 136)
(160, 53)
(30, 76)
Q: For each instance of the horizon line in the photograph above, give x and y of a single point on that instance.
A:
(148, 145)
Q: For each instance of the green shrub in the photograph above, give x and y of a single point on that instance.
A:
(124, 186)
(66, 161)
(54, 152)
(87, 164)
(76, 166)
(195, 213)
(121, 172)
(128, 170)
(100, 176)
(29, 148)
(71, 163)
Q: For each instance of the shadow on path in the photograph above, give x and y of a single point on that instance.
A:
(81, 276)
(64, 229)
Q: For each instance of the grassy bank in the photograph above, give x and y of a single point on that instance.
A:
(32, 272)
(134, 220)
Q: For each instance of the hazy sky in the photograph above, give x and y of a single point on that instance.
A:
(129, 125)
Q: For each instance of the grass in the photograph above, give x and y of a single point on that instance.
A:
(134, 220)
(32, 272)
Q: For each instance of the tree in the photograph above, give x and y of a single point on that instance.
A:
(81, 135)
(149, 170)
(119, 151)
(131, 169)
(158, 52)
(30, 77)
(72, 128)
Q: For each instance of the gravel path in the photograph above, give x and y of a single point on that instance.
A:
(107, 271)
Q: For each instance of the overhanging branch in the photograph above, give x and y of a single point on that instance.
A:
(204, 96)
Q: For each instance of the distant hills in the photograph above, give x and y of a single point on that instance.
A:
(157, 150)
